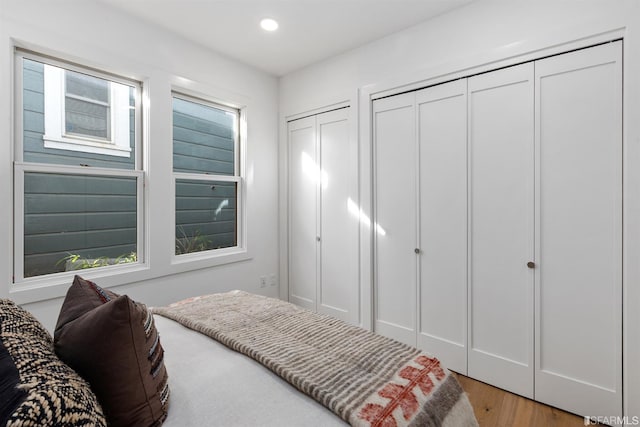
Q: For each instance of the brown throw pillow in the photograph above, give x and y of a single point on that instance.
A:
(36, 388)
(112, 342)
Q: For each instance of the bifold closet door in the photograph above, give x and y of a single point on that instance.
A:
(442, 136)
(323, 215)
(339, 217)
(303, 202)
(579, 230)
(394, 227)
(501, 235)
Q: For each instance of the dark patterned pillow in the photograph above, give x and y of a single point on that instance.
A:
(36, 388)
(112, 342)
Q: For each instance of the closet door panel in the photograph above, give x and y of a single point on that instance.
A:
(303, 183)
(579, 223)
(442, 135)
(338, 290)
(501, 235)
(395, 217)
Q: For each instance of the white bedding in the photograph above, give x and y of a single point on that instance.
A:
(212, 385)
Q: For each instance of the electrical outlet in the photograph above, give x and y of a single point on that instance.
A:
(263, 281)
(272, 280)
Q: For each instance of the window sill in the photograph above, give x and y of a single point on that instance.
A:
(86, 146)
(206, 259)
(53, 286)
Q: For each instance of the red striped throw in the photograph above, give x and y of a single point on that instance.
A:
(364, 378)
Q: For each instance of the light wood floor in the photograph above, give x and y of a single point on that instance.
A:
(498, 408)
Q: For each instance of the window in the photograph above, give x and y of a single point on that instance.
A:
(87, 104)
(78, 182)
(208, 186)
(86, 113)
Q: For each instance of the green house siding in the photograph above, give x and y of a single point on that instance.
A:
(203, 139)
(90, 216)
(207, 209)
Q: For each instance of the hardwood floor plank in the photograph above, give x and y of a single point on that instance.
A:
(498, 408)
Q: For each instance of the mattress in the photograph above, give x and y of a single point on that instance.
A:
(212, 385)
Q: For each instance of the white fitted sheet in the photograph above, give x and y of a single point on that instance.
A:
(212, 385)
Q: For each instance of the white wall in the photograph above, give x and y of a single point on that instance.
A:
(481, 36)
(94, 34)
(483, 32)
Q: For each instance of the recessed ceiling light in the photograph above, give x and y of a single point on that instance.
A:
(269, 24)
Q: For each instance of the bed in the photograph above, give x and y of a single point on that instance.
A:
(231, 359)
(205, 376)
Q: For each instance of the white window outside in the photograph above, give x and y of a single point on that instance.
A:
(85, 113)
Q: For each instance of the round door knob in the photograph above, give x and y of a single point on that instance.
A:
(318, 238)
(416, 250)
(531, 264)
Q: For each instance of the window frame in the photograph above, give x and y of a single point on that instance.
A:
(20, 167)
(238, 176)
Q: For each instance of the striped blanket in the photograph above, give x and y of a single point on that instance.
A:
(364, 378)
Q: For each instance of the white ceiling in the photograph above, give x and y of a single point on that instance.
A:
(310, 30)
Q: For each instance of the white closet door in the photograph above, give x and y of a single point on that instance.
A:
(339, 217)
(304, 177)
(442, 134)
(579, 230)
(395, 217)
(501, 234)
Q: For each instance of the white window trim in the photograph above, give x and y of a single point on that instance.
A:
(237, 177)
(55, 135)
(164, 263)
(55, 284)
